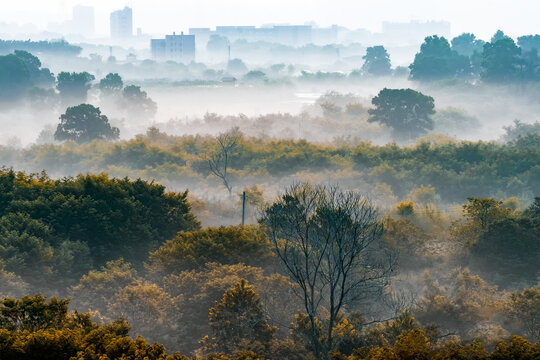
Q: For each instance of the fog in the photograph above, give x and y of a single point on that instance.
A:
(289, 103)
(482, 17)
(181, 110)
(441, 140)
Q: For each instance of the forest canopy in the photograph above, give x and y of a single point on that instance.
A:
(91, 217)
(369, 212)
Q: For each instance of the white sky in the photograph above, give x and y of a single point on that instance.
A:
(483, 17)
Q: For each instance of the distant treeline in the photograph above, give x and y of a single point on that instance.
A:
(455, 169)
(60, 47)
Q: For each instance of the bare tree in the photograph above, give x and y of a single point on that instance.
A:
(328, 240)
(398, 301)
(219, 157)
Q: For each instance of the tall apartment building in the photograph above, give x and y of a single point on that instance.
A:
(174, 47)
(122, 24)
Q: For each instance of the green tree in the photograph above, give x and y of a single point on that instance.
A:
(31, 61)
(14, 77)
(529, 42)
(255, 76)
(19, 72)
(137, 103)
(84, 123)
(530, 65)
(196, 291)
(479, 214)
(114, 217)
(141, 155)
(377, 61)
(509, 247)
(516, 348)
(499, 35)
(533, 211)
(31, 328)
(238, 322)
(33, 313)
(26, 246)
(436, 60)
(407, 112)
(520, 130)
(501, 61)
(59, 47)
(277, 68)
(38, 76)
(237, 67)
(43, 100)
(111, 83)
(524, 308)
(225, 245)
(484, 211)
(467, 44)
(31, 249)
(73, 87)
(150, 311)
(97, 288)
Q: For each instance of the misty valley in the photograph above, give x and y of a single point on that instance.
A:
(302, 202)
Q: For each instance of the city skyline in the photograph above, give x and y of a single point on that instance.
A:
(482, 17)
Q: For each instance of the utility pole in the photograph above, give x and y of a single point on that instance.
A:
(243, 207)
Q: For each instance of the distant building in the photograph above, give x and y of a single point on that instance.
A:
(236, 31)
(200, 32)
(158, 48)
(202, 35)
(325, 36)
(415, 31)
(174, 47)
(82, 22)
(122, 24)
(293, 35)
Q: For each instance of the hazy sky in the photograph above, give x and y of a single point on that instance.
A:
(482, 17)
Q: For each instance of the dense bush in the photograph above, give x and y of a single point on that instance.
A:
(225, 245)
(32, 328)
(455, 169)
(51, 332)
(52, 226)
